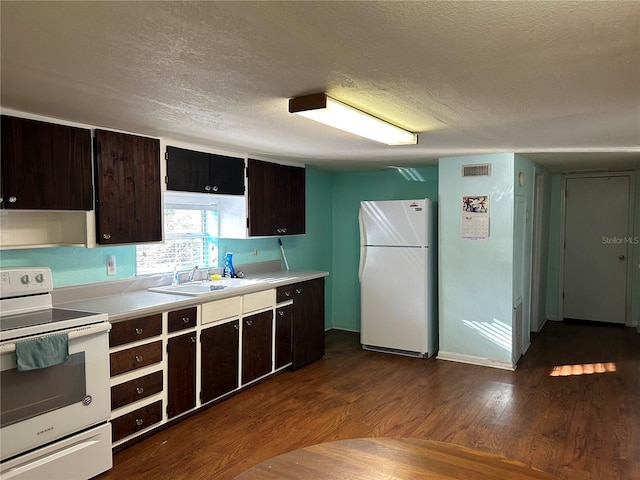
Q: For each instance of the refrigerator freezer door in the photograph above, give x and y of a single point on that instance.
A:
(394, 222)
(394, 298)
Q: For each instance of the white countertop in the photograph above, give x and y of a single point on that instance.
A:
(129, 304)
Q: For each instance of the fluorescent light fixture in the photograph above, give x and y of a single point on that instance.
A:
(324, 109)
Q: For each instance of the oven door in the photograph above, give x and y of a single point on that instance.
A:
(43, 405)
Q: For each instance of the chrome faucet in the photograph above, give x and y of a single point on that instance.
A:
(192, 273)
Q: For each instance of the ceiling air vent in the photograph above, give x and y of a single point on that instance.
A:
(476, 170)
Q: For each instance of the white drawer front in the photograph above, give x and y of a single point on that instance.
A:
(221, 310)
(259, 300)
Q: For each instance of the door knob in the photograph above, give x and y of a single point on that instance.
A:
(621, 257)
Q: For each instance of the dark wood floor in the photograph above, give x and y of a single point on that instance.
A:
(577, 427)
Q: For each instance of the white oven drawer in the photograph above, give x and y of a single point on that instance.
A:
(79, 457)
(43, 405)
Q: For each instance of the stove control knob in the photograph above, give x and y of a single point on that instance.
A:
(25, 279)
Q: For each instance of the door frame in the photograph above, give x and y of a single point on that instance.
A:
(536, 322)
(563, 204)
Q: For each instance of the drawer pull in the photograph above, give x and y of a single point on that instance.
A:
(185, 319)
(280, 312)
(298, 290)
(139, 421)
(138, 331)
(249, 322)
(138, 358)
(139, 390)
(287, 293)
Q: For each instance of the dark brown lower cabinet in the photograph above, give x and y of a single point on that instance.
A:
(137, 420)
(308, 322)
(256, 345)
(219, 360)
(284, 318)
(181, 368)
(135, 357)
(135, 389)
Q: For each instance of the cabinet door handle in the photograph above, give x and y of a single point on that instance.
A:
(248, 322)
(138, 331)
(298, 290)
(138, 358)
(185, 319)
(215, 188)
(13, 199)
(139, 390)
(280, 312)
(193, 339)
(106, 236)
(139, 422)
(236, 326)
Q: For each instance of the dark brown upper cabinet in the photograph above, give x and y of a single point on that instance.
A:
(191, 171)
(45, 166)
(276, 199)
(128, 198)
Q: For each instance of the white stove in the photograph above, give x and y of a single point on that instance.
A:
(26, 305)
(54, 410)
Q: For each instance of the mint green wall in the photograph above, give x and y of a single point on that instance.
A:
(476, 276)
(74, 265)
(553, 263)
(544, 247)
(349, 189)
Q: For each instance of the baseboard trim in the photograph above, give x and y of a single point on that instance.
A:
(544, 322)
(473, 360)
(344, 329)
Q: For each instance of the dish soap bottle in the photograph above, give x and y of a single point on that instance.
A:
(228, 266)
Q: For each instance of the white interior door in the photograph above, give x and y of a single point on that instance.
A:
(596, 248)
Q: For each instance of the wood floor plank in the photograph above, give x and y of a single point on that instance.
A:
(574, 427)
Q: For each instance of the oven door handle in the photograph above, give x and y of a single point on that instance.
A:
(73, 334)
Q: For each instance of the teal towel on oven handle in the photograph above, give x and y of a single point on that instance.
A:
(42, 352)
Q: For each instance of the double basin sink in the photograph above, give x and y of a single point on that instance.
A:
(194, 289)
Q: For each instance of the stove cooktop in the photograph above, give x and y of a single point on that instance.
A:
(41, 322)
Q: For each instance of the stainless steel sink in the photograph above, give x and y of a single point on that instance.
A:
(194, 289)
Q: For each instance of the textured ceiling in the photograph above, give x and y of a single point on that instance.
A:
(534, 77)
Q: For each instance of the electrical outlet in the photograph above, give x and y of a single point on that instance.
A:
(111, 265)
(255, 252)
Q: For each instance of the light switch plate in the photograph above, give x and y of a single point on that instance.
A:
(111, 265)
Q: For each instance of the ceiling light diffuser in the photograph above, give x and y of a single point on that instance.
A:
(324, 109)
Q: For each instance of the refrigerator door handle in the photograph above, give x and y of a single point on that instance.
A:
(363, 232)
(363, 250)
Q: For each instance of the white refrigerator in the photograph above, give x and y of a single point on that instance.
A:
(397, 277)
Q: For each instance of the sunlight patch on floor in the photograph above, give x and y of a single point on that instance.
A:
(583, 369)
